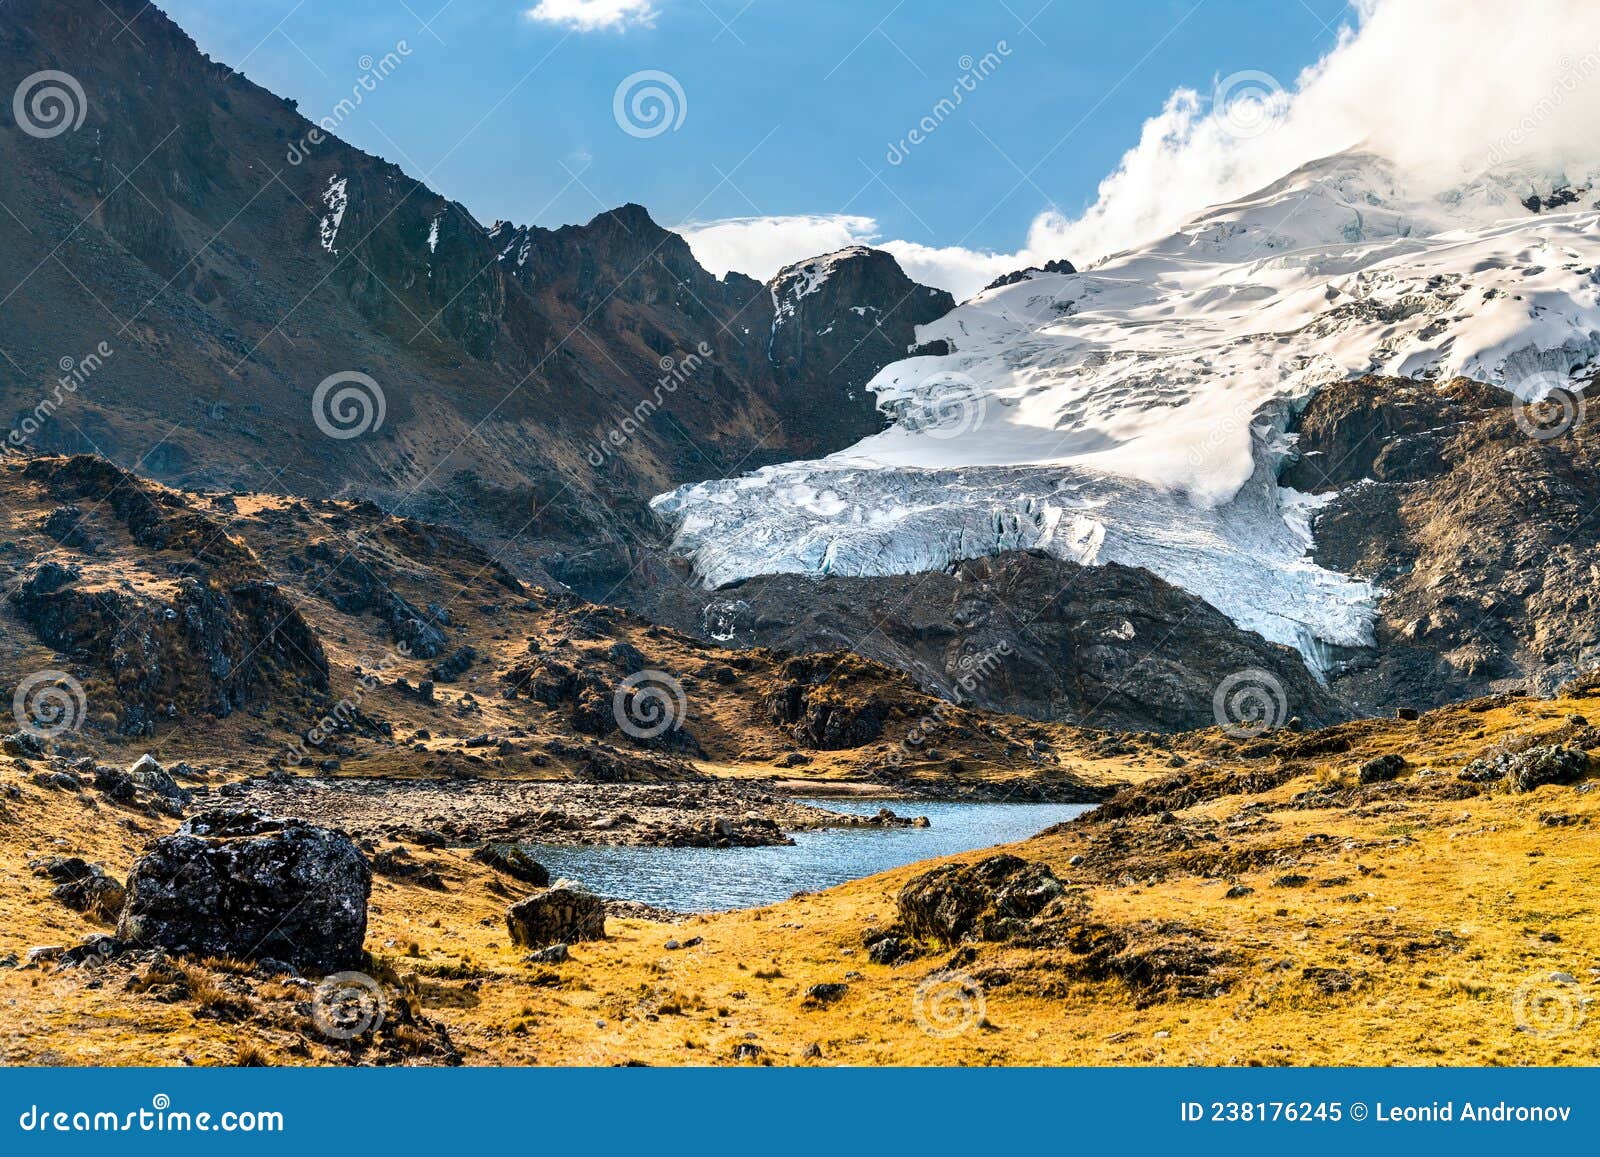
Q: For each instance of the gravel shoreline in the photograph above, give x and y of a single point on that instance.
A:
(465, 812)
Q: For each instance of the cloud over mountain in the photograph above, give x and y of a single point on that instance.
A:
(1448, 93)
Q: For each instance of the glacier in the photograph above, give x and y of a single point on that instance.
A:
(1135, 412)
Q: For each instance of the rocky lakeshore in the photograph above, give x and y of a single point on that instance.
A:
(453, 812)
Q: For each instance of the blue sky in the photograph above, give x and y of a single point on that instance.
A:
(789, 108)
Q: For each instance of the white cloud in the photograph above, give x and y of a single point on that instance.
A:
(595, 15)
(760, 246)
(1448, 93)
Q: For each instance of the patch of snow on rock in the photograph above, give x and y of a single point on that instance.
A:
(335, 198)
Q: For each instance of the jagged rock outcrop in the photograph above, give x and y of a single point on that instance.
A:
(818, 699)
(237, 883)
(1529, 768)
(558, 915)
(209, 636)
(989, 900)
(836, 321)
(1480, 521)
(1059, 265)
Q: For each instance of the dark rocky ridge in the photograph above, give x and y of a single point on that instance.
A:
(1111, 646)
(193, 202)
(1060, 265)
(1483, 537)
(201, 628)
(839, 319)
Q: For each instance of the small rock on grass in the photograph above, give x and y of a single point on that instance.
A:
(558, 915)
(826, 993)
(1382, 769)
(514, 861)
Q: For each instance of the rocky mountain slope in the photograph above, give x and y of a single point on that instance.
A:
(528, 387)
(258, 631)
(1105, 646)
(1093, 469)
(1135, 411)
(192, 262)
(1475, 516)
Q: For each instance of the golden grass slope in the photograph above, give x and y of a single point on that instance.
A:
(1409, 930)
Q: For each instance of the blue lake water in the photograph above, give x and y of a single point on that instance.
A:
(712, 879)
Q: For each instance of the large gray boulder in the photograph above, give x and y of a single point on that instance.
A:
(990, 900)
(241, 884)
(559, 915)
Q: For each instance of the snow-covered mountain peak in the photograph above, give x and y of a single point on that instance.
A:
(1134, 411)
